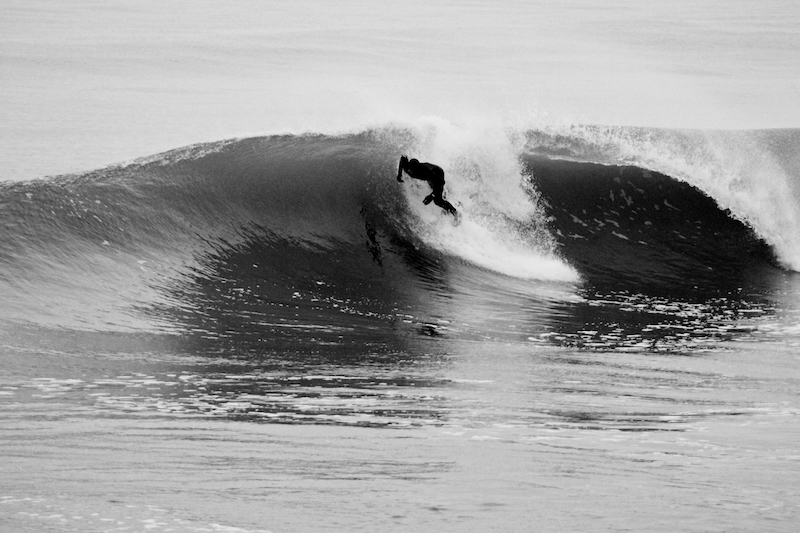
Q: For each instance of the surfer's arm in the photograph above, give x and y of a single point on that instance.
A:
(403, 161)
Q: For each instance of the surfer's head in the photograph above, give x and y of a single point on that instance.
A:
(413, 162)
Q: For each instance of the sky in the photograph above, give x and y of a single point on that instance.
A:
(88, 83)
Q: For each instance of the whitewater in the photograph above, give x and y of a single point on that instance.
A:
(220, 311)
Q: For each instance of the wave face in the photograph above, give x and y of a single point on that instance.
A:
(310, 236)
(625, 226)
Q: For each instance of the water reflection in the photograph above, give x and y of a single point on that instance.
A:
(325, 334)
(332, 303)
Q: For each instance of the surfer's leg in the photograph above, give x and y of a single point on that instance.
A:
(444, 204)
(437, 196)
(436, 193)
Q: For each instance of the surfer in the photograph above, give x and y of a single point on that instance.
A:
(431, 173)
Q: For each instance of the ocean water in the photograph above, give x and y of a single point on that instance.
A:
(219, 311)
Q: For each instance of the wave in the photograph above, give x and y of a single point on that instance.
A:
(320, 218)
(754, 176)
(620, 223)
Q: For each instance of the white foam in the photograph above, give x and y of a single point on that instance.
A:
(481, 246)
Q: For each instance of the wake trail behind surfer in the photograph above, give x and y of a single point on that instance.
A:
(431, 173)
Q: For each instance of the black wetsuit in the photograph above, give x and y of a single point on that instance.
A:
(431, 173)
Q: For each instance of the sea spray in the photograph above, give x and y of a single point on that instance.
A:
(503, 226)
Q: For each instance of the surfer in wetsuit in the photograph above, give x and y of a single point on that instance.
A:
(431, 173)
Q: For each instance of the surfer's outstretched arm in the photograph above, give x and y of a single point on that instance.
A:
(400, 167)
